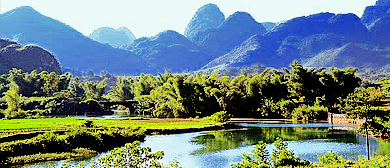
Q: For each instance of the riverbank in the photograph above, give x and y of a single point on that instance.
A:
(24, 132)
(24, 126)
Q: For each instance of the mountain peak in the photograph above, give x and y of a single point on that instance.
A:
(239, 17)
(208, 16)
(382, 3)
(115, 38)
(373, 13)
(26, 10)
(209, 6)
(168, 34)
(170, 37)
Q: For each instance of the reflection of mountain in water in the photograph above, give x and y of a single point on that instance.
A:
(230, 139)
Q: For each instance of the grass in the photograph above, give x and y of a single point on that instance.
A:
(157, 123)
(27, 159)
(16, 126)
(41, 123)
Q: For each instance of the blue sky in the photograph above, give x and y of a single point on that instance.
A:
(149, 17)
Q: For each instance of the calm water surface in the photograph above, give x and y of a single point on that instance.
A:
(225, 147)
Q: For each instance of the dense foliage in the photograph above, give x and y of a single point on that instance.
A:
(36, 94)
(269, 94)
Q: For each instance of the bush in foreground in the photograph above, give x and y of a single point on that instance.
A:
(282, 156)
(132, 155)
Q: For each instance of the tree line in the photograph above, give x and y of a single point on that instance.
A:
(269, 94)
(272, 93)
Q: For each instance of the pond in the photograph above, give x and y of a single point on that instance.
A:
(224, 147)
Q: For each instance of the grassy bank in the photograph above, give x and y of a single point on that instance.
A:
(79, 141)
(23, 126)
(64, 123)
(61, 138)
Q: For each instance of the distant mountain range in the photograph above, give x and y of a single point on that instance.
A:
(212, 42)
(71, 48)
(27, 58)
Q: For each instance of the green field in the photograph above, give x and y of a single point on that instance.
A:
(65, 123)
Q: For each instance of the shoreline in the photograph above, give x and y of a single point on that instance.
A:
(153, 131)
(75, 156)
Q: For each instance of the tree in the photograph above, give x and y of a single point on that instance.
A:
(362, 104)
(42, 84)
(168, 100)
(123, 90)
(145, 84)
(13, 99)
(305, 82)
(94, 90)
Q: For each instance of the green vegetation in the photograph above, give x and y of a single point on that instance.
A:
(298, 93)
(132, 155)
(221, 116)
(88, 136)
(307, 113)
(269, 94)
(64, 135)
(363, 104)
(282, 156)
(76, 153)
(332, 160)
(62, 123)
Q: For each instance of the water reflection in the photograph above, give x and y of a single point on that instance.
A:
(229, 139)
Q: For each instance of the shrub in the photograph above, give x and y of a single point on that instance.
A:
(82, 138)
(221, 116)
(132, 155)
(286, 107)
(280, 157)
(11, 114)
(269, 108)
(330, 158)
(261, 159)
(283, 156)
(309, 112)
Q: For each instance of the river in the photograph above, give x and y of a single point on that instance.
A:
(224, 147)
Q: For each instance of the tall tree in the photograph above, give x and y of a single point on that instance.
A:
(13, 99)
(123, 89)
(362, 104)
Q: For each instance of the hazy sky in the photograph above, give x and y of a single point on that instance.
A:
(149, 17)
